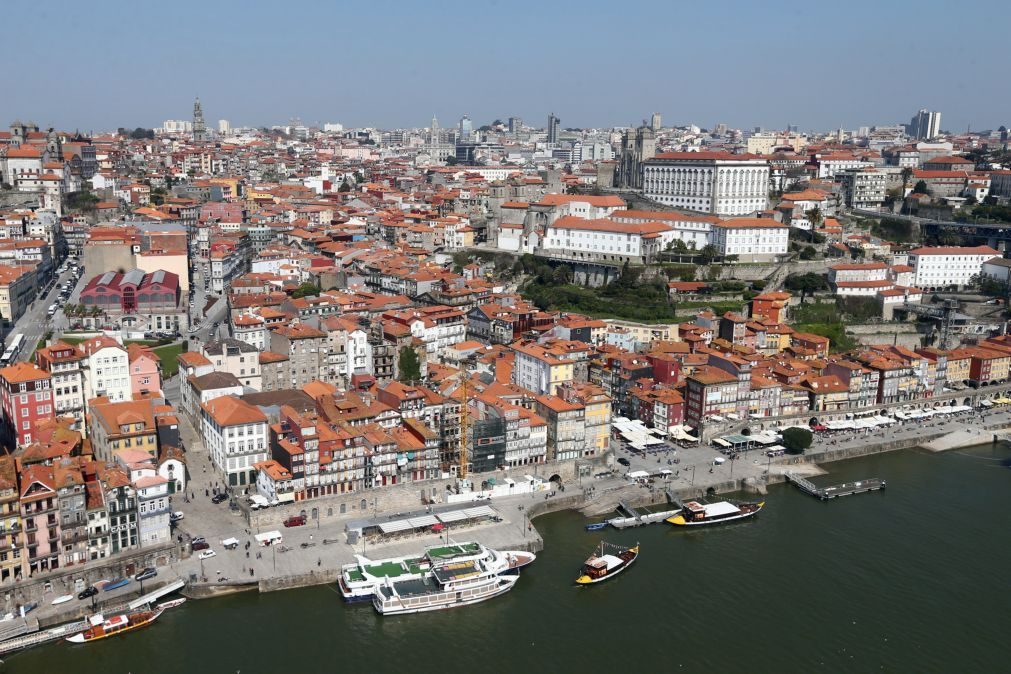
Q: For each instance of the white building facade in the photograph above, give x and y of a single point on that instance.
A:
(945, 266)
(709, 182)
(751, 239)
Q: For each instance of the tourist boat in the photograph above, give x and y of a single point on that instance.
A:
(596, 526)
(115, 584)
(452, 585)
(62, 599)
(170, 604)
(357, 582)
(695, 514)
(126, 622)
(603, 565)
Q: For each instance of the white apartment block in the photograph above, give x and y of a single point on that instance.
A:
(693, 229)
(107, 371)
(709, 182)
(751, 239)
(235, 435)
(605, 239)
(943, 266)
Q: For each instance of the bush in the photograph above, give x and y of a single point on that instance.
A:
(796, 440)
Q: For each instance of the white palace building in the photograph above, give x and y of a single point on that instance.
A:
(719, 183)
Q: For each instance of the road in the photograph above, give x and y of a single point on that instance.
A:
(36, 322)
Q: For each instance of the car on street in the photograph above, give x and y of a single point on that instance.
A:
(176, 516)
(295, 521)
(87, 592)
(623, 461)
(218, 498)
(207, 554)
(200, 545)
(146, 573)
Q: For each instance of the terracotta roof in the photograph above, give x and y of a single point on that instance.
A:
(230, 411)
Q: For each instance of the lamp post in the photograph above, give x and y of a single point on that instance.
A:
(692, 485)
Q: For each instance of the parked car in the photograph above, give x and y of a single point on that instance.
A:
(146, 573)
(623, 461)
(295, 521)
(87, 592)
(176, 516)
(218, 498)
(207, 554)
(199, 545)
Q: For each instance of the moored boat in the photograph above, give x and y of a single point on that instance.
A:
(170, 604)
(607, 561)
(596, 526)
(62, 599)
(126, 622)
(357, 582)
(115, 584)
(447, 586)
(695, 514)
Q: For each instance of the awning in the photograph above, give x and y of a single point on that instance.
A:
(423, 521)
(394, 527)
(986, 403)
(721, 442)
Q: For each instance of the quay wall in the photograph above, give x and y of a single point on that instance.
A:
(397, 498)
(43, 587)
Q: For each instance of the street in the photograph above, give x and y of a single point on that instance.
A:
(36, 321)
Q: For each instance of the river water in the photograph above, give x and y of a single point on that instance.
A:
(913, 579)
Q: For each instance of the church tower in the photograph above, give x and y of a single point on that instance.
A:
(199, 128)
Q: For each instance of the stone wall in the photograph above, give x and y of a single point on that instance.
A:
(61, 582)
(403, 497)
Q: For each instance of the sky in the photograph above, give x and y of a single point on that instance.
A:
(394, 63)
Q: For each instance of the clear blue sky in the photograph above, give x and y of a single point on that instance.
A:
(100, 65)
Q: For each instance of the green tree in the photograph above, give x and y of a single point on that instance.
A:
(907, 173)
(796, 440)
(451, 160)
(562, 274)
(808, 253)
(410, 366)
(921, 187)
(306, 289)
(805, 284)
(708, 253)
(814, 216)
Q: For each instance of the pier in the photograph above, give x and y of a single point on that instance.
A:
(844, 489)
(36, 638)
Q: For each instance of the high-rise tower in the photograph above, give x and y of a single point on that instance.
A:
(199, 128)
(553, 124)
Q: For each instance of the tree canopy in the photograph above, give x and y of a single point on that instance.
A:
(410, 365)
(796, 440)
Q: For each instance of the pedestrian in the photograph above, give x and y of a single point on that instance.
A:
(319, 562)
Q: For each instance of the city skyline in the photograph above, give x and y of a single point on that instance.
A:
(328, 69)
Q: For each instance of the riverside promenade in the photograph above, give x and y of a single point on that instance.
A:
(267, 569)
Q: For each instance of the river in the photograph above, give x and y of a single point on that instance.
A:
(911, 579)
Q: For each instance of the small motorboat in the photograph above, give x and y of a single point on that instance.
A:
(115, 584)
(596, 526)
(62, 599)
(516, 560)
(607, 561)
(170, 604)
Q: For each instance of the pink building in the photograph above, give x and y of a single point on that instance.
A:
(145, 375)
(40, 519)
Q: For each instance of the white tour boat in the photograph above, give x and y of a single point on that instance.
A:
(458, 583)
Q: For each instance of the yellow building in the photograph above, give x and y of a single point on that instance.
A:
(117, 427)
(10, 521)
(542, 368)
(597, 416)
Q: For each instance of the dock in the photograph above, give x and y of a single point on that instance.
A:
(835, 491)
(639, 516)
(36, 638)
(29, 634)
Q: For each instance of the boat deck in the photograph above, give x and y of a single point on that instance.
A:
(451, 572)
(450, 551)
(409, 588)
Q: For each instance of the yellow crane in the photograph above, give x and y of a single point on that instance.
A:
(464, 423)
